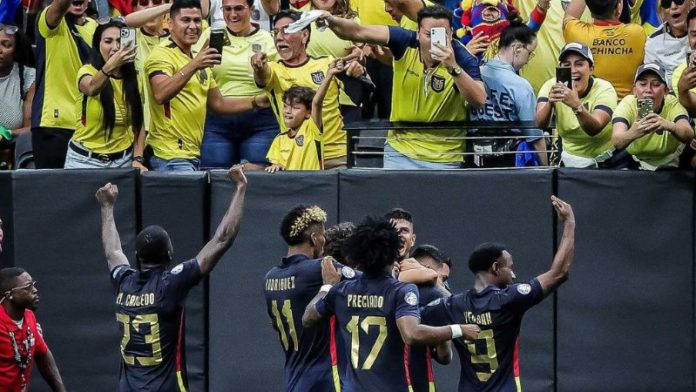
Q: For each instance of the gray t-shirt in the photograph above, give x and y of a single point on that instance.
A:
(11, 100)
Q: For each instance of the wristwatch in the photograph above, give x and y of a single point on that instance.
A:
(456, 71)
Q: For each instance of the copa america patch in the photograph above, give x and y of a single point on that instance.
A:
(177, 269)
(524, 289)
(411, 298)
(348, 272)
(299, 140)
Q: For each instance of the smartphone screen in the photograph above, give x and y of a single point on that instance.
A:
(563, 75)
(217, 39)
(437, 35)
(127, 36)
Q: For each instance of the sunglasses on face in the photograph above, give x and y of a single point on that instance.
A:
(10, 30)
(668, 3)
(145, 3)
(108, 19)
(236, 9)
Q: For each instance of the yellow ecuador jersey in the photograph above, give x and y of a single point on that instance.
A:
(426, 96)
(576, 141)
(145, 43)
(653, 149)
(176, 128)
(371, 12)
(60, 52)
(618, 49)
(90, 131)
(234, 75)
(300, 152)
(676, 76)
(409, 24)
(310, 74)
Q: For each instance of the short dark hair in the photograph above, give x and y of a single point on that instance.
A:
(301, 94)
(336, 237)
(483, 257)
(374, 245)
(435, 12)
(295, 16)
(178, 5)
(602, 8)
(431, 251)
(152, 246)
(691, 15)
(297, 223)
(7, 277)
(399, 214)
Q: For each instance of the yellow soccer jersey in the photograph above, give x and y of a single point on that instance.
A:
(371, 12)
(310, 74)
(653, 149)
(58, 58)
(90, 131)
(145, 44)
(300, 152)
(409, 24)
(675, 78)
(176, 128)
(618, 50)
(235, 76)
(575, 141)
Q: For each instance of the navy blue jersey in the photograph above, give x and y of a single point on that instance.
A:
(311, 354)
(420, 357)
(366, 311)
(491, 363)
(150, 314)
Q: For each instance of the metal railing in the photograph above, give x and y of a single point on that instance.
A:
(500, 130)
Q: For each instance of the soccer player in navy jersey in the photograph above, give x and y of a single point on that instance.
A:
(376, 314)
(497, 305)
(150, 299)
(311, 354)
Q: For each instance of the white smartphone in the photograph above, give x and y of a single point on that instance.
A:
(127, 36)
(438, 36)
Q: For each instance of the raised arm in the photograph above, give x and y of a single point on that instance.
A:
(227, 231)
(562, 261)
(165, 87)
(336, 66)
(262, 71)
(272, 7)
(111, 241)
(140, 18)
(349, 30)
(414, 333)
(49, 371)
(575, 10)
(92, 85)
(56, 11)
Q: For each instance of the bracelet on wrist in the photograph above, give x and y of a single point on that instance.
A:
(456, 331)
(108, 75)
(325, 288)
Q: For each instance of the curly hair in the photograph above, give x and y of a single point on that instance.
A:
(336, 237)
(296, 223)
(374, 245)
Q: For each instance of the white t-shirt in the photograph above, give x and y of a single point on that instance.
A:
(259, 16)
(11, 100)
(666, 50)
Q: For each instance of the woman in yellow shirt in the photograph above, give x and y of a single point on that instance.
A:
(110, 115)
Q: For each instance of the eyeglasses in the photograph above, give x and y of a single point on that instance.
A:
(10, 30)
(31, 284)
(145, 3)
(668, 3)
(108, 19)
(236, 9)
(278, 30)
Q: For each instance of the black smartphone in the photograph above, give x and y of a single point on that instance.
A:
(563, 75)
(688, 59)
(217, 39)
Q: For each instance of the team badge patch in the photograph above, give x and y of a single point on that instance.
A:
(177, 269)
(411, 298)
(347, 272)
(437, 83)
(524, 289)
(299, 141)
(318, 77)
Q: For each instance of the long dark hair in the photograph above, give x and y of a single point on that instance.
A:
(134, 106)
(23, 52)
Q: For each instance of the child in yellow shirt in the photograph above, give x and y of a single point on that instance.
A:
(299, 146)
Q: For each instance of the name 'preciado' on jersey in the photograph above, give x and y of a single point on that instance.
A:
(365, 301)
(280, 284)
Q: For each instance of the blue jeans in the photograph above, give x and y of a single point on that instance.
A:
(244, 137)
(174, 165)
(396, 160)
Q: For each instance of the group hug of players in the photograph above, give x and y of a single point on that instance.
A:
(366, 327)
(356, 325)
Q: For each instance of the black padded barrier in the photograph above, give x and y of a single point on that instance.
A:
(245, 352)
(179, 203)
(625, 317)
(6, 207)
(57, 238)
(456, 211)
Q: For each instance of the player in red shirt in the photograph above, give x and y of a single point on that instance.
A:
(21, 340)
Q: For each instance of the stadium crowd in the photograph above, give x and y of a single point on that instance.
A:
(191, 85)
